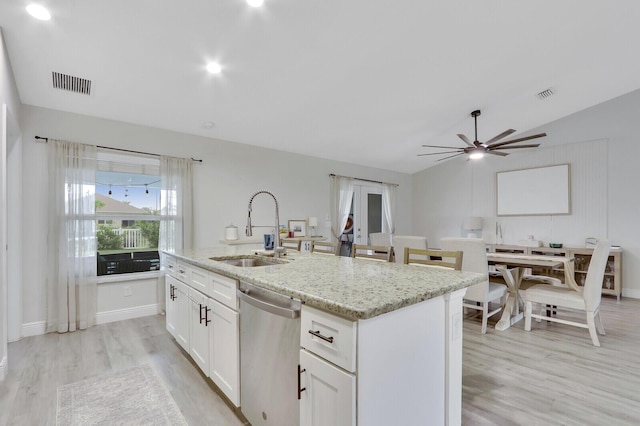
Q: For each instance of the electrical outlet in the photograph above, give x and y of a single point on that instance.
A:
(127, 290)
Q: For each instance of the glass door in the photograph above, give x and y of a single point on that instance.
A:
(367, 212)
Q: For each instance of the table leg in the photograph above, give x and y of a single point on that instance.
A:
(511, 313)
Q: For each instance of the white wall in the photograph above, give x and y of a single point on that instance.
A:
(9, 97)
(600, 143)
(223, 183)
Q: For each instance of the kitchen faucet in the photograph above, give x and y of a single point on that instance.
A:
(276, 244)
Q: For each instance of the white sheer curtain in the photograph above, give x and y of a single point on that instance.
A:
(176, 204)
(341, 198)
(389, 205)
(71, 239)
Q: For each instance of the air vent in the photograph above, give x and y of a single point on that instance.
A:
(545, 94)
(71, 83)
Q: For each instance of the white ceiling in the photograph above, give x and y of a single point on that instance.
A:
(366, 82)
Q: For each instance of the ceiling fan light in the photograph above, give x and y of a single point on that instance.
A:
(476, 155)
(38, 12)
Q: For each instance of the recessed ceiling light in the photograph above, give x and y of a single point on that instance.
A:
(255, 3)
(38, 12)
(214, 68)
(208, 125)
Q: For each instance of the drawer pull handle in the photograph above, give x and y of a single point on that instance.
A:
(181, 271)
(320, 336)
(172, 292)
(300, 390)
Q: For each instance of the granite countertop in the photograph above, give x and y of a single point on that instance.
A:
(352, 288)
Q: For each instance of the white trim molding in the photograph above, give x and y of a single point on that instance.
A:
(3, 368)
(631, 293)
(33, 329)
(127, 313)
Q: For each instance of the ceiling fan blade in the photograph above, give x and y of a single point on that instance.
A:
(451, 156)
(500, 136)
(533, 145)
(465, 139)
(439, 146)
(439, 153)
(502, 154)
(526, 138)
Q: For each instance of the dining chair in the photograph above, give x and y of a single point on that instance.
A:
(474, 259)
(380, 239)
(323, 247)
(448, 259)
(587, 299)
(380, 253)
(290, 243)
(411, 241)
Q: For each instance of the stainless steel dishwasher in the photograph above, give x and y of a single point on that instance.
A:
(269, 356)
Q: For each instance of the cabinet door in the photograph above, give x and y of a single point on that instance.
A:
(181, 296)
(224, 338)
(171, 306)
(329, 397)
(200, 325)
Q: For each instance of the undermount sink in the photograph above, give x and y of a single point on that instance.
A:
(249, 261)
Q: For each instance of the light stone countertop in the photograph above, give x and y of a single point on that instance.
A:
(351, 288)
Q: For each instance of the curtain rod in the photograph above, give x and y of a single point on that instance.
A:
(122, 150)
(364, 180)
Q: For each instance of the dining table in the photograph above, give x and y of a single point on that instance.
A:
(512, 267)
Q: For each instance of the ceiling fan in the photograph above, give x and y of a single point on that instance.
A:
(477, 149)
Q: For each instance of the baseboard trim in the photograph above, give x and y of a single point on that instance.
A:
(33, 329)
(127, 313)
(3, 368)
(631, 293)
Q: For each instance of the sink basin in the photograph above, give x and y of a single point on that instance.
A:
(249, 261)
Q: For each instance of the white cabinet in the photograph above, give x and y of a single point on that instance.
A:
(329, 395)
(177, 310)
(200, 318)
(202, 315)
(224, 350)
(171, 310)
(327, 369)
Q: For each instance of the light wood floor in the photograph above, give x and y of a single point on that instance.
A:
(38, 365)
(552, 375)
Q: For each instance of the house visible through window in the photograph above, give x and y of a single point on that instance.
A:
(127, 214)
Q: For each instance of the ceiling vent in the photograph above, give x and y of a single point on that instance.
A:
(545, 94)
(71, 83)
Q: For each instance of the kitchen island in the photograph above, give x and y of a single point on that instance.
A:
(403, 360)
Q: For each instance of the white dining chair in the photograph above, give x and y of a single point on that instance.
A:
(474, 259)
(587, 299)
(400, 242)
(380, 239)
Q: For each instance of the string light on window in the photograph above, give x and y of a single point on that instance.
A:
(146, 189)
(126, 192)
(110, 191)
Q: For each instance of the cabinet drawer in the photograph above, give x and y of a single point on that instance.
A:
(223, 289)
(183, 272)
(328, 336)
(200, 279)
(170, 265)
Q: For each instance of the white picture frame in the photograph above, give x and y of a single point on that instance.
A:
(298, 227)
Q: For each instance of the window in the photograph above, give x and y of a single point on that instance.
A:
(127, 214)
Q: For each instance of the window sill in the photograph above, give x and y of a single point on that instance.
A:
(115, 278)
